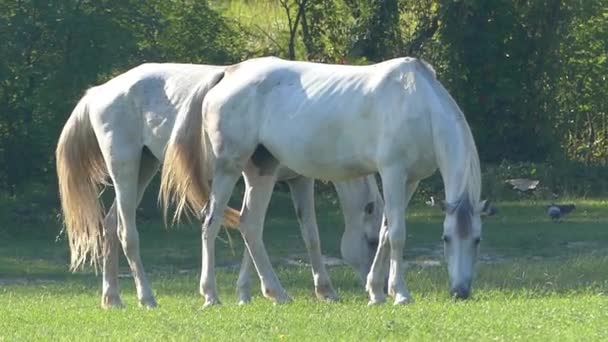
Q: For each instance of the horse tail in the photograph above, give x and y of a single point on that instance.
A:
(188, 161)
(81, 172)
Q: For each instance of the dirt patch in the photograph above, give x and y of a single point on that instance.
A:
(585, 245)
(424, 263)
(422, 257)
(302, 260)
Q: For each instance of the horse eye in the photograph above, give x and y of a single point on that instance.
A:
(446, 239)
(477, 241)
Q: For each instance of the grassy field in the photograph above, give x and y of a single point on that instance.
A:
(537, 280)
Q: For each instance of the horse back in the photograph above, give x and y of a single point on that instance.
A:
(138, 108)
(324, 121)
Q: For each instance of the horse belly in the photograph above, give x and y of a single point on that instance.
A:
(322, 152)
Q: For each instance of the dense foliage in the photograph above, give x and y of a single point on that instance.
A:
(53, 50)
(529, 75)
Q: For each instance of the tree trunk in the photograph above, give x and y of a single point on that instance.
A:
(310, 49)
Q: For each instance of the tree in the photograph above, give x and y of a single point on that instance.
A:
(501, 58)
(53, 50)
(581, 115)
(293, 22)
(377, 33)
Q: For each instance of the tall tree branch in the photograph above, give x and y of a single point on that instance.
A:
(293, 23)
(428, 29)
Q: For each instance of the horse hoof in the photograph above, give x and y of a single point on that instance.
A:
(111, 302)
(243, 302)
(278, 296)
(327, 293)
(148, 303)
(211, 302)
(244, 299)
(403, 300)
(282, 299)
(376, 297)
(328, 297)
(332, 298)
(374, 302)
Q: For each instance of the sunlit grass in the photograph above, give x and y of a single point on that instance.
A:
(506, 306)
(537, 280)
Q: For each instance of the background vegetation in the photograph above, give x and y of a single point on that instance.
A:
(529, 75)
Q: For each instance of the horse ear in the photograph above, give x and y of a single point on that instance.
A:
(486, 208)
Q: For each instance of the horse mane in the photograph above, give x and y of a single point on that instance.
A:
(471, 186)
(428, 67)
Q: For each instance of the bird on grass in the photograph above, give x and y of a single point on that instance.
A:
(557, 211)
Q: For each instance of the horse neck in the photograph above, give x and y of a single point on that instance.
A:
(454, 147)
(455, 155)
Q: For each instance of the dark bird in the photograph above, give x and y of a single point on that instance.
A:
(557, 211)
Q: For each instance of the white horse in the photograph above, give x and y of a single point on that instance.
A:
(121, 128)
(331, 122)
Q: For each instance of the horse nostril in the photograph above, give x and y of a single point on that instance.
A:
(369, 208)
(373, 244)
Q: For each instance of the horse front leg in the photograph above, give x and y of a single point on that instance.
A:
(362, 209)
(302, 194)
(395, 200)
(376, 277)
(393, 234)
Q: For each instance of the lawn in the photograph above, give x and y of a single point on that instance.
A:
(537, 280)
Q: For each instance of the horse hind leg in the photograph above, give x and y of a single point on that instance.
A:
(302, 190)
(243, 284)
(110, 297)
(221, 189)
(302, 193)
(110, 291)
(260, 183)
(124, 168)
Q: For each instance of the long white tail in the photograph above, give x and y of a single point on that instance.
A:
(187, 165)
(81, 172)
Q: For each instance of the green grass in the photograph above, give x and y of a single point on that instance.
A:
(539, 281)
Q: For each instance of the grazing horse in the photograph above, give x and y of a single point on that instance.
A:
(331, 122)
(120, 129)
